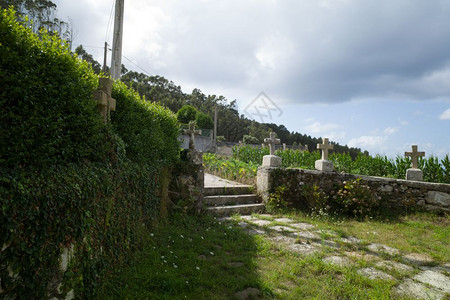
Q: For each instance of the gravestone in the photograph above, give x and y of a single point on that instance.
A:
(105, 102)
(414, 173)
(192, 132)
(284, 146)
(271, 160)
(324, 164)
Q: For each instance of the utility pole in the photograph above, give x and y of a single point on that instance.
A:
(116, 58)
(104, 57)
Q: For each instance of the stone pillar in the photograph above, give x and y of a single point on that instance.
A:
(271, 160)
(263, 183)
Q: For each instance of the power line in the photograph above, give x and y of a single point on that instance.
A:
(109, 21)
(148, 73)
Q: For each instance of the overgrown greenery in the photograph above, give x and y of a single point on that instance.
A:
(434, 170)
(204, 258)
(67, 180)
(230, 168)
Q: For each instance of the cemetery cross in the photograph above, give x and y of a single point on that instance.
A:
(325, 147)
(415, 156)
(192, 133)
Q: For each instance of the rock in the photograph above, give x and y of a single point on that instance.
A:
(410, 288)
(305, 235)
(385, 188)
(373, 273)
(438, 198)
(362, 256)
(283, 228)
(302, 226)
(261, 222)
(393, 265)
(434, 279)
(249, 293)
(337, 261)
(350, 240)
(284, 220)
(417, 258)
(282, 239)
(255, 231)
(303, 248)
(379, 248)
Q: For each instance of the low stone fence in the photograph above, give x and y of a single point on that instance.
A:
(395, 193)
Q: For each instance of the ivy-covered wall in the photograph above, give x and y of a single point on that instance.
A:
(76, 194)
(349, 194)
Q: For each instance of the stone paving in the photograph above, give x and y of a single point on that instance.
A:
(416, 275)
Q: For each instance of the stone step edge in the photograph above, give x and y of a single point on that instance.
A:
(218, 200)
(243, 209)
(234, 190)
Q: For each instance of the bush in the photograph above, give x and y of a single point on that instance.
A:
(48, 115)
(149, 131)
(66, 178)
(204, 121)
(248, 139)
(186, 114)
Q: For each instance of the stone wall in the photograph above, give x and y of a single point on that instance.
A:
(187, 184)
(395, 193)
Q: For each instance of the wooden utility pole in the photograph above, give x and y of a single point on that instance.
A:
(116, 57)
(104, 57)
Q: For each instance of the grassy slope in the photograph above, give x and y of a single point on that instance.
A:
(202, 258)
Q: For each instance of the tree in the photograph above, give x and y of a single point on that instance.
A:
(204, 121)
(88, 57)
(186, 114)
(248, 139)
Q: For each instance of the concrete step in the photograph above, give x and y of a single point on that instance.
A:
(231, 190)
(220, 200)
(228, 210)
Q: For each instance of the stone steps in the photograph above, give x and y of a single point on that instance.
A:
(228, 190)
(242, 209)
(221, 200)
(231, 199)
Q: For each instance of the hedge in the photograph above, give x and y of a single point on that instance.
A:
(67, 180)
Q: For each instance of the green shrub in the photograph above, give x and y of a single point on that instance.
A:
(248, 139)
(277, 200)
(354, 199)
(48, 115)
(66, 178)
(204, 121)
(186, 114)
(149, 131)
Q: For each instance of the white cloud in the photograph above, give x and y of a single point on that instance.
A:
(445, 115)
(390, 130)
(367, 141)
(317, 127)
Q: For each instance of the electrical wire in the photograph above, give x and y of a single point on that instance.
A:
(148, 73)
(109, 21)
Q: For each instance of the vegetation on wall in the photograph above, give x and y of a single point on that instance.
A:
(67, 180)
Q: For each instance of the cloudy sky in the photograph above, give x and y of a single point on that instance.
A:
(372, 74)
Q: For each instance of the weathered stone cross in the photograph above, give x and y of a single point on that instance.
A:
(325, 147)
(192, 133)
(105, 102)
(271, 142)
(415, 156)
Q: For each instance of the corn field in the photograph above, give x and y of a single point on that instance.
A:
(434, 170)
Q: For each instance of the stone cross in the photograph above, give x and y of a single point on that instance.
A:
(271, 142)
(284, 146)
(105, 102)
(192, 133)
(415, 156)
(325, 147)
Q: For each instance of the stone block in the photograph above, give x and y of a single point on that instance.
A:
(414, 174)
(324, 165)
(438, 198)
(112, 104)
(101, 98)
(105, 84)
(271, 161)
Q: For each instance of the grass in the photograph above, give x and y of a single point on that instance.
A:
(204, 258)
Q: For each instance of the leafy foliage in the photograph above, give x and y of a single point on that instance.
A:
(435, 170)
(230, 168)
(149, 131)
(204, 121)
(66, 178)
(186, 114)
(248, 139)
